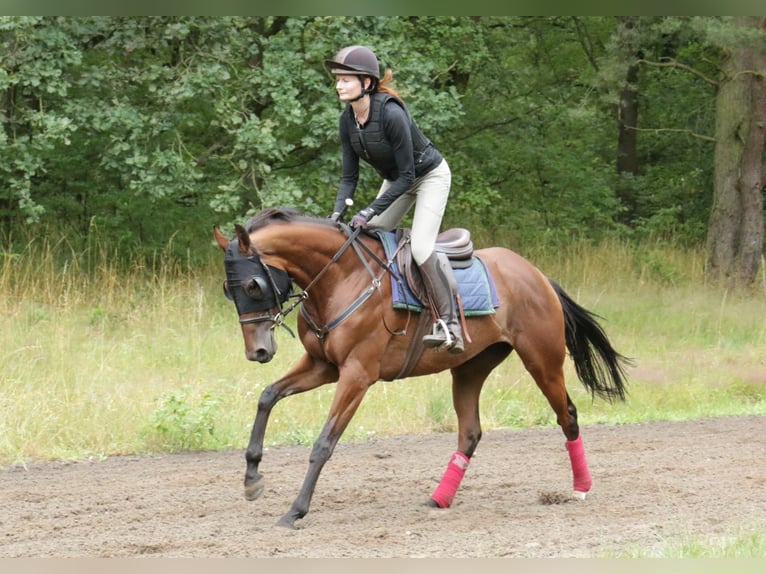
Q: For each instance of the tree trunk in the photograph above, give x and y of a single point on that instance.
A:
(627, 151)
(736, 227)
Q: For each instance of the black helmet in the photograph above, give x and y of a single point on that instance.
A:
(356, 60)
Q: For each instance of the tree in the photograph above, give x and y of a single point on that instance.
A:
(148, 127)
(736, 227)
(627, 148)
(31, 62)
(534, 153)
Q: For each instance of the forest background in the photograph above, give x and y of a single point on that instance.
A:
(141, 129)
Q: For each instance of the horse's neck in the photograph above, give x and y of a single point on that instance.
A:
(305, 250)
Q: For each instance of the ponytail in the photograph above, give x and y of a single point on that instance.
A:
(384, 85)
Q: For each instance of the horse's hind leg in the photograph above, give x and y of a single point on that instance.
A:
(467, 382)
(581, 479)
(542, 349)
(548, 372)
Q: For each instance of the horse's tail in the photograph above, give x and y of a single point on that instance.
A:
(598, 365)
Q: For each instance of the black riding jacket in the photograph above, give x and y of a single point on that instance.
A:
(391, 142)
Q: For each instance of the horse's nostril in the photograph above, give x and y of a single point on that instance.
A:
(260, 355)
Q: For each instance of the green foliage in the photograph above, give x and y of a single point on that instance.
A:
(441, 414)
(531, 155)
(183, 420)
(157, 127)
(654, 266)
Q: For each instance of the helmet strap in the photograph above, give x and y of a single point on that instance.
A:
(365, 91)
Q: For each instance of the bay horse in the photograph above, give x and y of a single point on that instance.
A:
(353, 336)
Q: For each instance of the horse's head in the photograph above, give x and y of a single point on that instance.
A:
(258, 291)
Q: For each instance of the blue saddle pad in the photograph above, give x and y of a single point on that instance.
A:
(475, 284)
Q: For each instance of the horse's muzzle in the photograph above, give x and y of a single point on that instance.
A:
(259, 355)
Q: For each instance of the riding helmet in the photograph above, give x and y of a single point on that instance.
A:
(357, 60)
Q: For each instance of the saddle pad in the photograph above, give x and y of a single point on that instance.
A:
(475, 284)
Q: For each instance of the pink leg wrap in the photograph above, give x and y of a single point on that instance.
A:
(445, 492)
(580, 472)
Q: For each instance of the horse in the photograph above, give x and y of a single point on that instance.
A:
(353, 336)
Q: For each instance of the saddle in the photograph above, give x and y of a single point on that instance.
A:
(456, 244)
(453, 245)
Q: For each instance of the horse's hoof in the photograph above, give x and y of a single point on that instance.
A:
(431, 503)
(580, 495)
(254, 489)
(287, 521)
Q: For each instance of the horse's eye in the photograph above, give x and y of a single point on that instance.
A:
(255, 288)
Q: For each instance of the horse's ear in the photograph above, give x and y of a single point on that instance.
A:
(244, 239)
(220, 239)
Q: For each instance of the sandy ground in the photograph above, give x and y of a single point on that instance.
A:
(652, 483)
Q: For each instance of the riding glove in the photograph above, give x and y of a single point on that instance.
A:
(360, 219)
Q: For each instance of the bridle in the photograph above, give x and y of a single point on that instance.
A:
(277, 319)
(255, 293)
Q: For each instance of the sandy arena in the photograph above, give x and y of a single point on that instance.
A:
(653, 483)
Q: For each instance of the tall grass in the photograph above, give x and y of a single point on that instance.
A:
(100, 356)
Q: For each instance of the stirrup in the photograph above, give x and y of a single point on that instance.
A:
(439, 336)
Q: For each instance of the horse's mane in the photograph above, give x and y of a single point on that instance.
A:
(280, 215)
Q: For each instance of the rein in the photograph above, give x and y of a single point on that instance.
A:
(359, 247)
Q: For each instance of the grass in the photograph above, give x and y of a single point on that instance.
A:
(101, 358)
(742, 542)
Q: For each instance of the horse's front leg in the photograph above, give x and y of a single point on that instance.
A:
(352, 386)
(307, 374)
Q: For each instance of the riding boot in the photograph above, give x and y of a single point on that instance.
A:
(446, 333)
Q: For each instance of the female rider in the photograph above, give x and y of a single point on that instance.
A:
(377, 127)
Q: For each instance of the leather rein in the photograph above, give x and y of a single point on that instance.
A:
(360, 248)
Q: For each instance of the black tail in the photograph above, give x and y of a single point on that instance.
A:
(598, 365)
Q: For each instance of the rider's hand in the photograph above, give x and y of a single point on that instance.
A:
(360, 219)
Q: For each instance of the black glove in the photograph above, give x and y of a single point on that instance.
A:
(360, 219)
